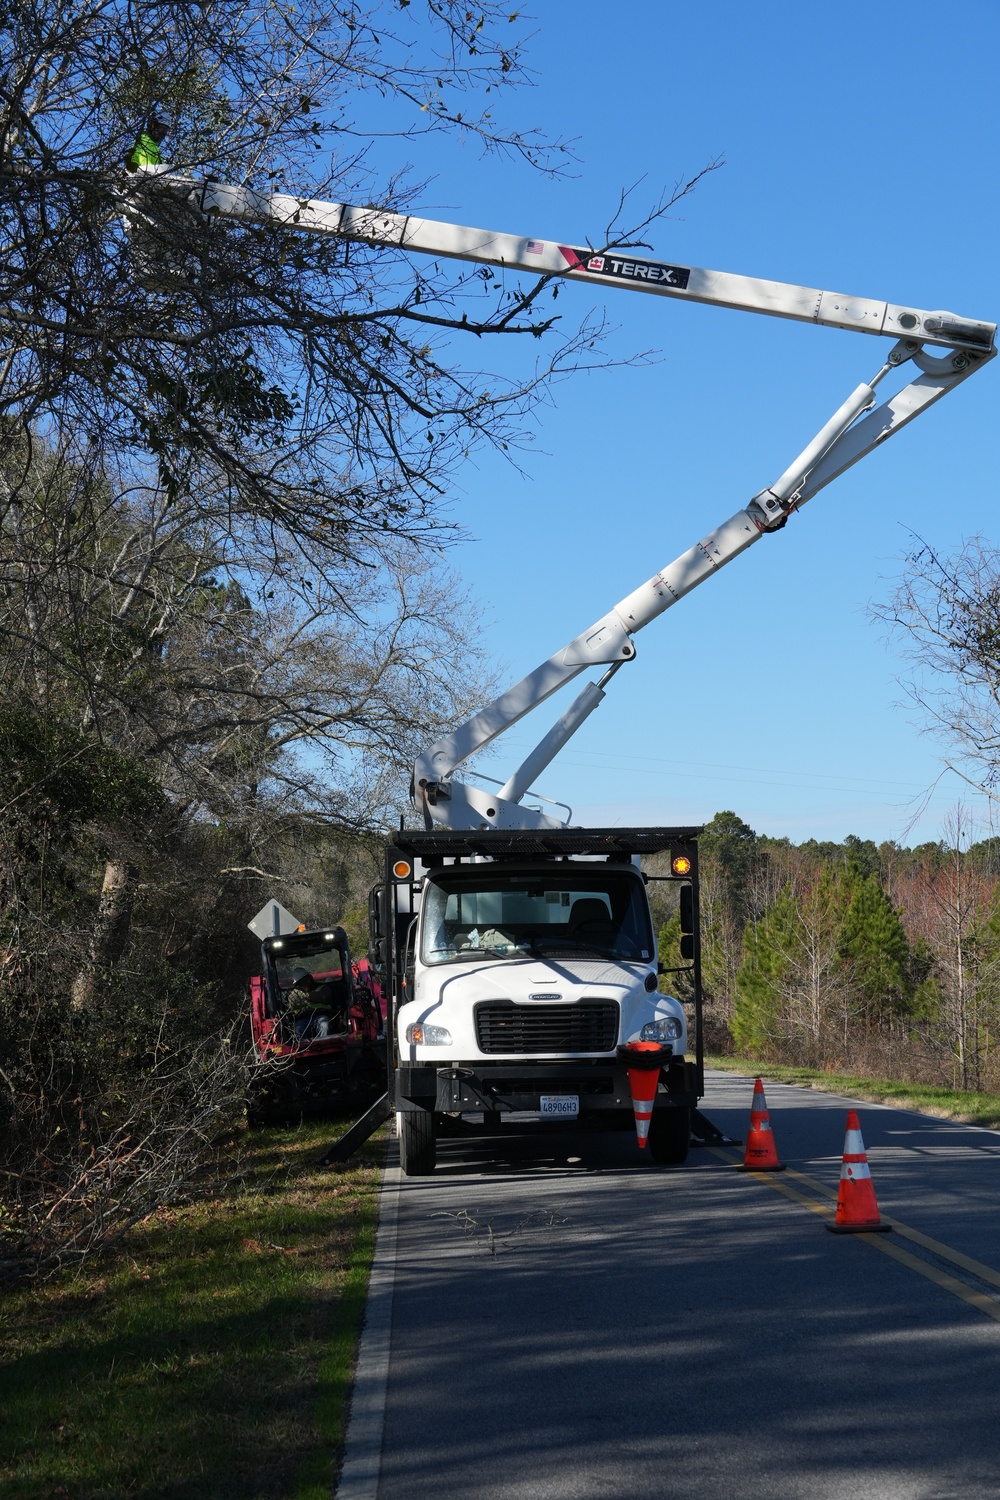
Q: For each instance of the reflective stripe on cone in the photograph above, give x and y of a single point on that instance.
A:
(642, 1101)
(761, 1153)
(857, 1208)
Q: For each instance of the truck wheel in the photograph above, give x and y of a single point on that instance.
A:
(417, 1142)
(670, 1136)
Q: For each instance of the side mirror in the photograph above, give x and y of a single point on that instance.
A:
(409, 953)
(687, 946)
(687, 908)
(376, 924)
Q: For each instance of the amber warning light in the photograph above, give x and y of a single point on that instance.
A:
(681, 865)
(401, 869)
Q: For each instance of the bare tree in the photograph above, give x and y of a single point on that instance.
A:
(69, 1194)
(949, 906)
(236, 447)
(309, 384)
(258, 696)
(946, 614)
(147, 621)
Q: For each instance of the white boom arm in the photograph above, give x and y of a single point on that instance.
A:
(842, 442)
(609, 268)
(846, 438)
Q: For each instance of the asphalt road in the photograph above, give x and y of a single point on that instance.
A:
(570, 1321)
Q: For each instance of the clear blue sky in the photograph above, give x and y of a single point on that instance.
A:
(861, 152)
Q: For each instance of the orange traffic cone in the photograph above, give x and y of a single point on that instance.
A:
(644, 1060)
(761, 1153)
(857, 1210)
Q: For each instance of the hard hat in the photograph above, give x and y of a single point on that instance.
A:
(299, 974)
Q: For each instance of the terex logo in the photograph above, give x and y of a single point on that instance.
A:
(647, 270)
(624, 268)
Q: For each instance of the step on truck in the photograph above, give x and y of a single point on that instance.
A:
(518, 967)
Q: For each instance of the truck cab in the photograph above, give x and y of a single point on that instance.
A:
(520, 965)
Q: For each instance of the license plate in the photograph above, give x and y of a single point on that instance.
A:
(559, 1106)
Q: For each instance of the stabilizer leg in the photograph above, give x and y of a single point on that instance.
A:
(358, 1133)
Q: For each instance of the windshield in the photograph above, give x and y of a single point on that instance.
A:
(323, 963)
(568, 911)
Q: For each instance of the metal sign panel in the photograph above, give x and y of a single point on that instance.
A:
(273, 921)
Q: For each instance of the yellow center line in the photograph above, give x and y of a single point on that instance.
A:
(964, 1262)
(978, 1300)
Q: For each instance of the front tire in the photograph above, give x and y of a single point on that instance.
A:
(670, 1136)
(417, 1143)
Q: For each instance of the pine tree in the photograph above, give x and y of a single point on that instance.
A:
(788, 988)
(874, 948)
(733, 846)
(763, 977)
(732, 864)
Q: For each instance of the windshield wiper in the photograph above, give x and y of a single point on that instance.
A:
(466, 953)
(584, 944)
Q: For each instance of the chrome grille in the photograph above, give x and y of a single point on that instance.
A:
(522, 1030)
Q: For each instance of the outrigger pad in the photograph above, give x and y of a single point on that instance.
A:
(704, 1133)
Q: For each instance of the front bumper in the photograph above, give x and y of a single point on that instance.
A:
(500, 1087)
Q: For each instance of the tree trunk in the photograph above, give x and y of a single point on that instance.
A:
(111, 928)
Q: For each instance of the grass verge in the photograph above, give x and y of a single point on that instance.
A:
(923, 1098)
(208, 1358)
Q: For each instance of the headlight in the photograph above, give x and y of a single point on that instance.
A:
(428, 1036)
(667, 1029)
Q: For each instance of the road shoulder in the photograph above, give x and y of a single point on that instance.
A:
(359, 1475)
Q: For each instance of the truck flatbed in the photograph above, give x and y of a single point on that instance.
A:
(530, 843)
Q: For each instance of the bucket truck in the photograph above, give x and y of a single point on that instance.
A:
(518, 953)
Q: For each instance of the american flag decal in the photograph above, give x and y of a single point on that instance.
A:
(535, 247)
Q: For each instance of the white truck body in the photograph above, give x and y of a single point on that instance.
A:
(522, 975)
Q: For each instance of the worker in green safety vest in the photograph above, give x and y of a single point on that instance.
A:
(146, 151)
(157, 229)
(314, 1008)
